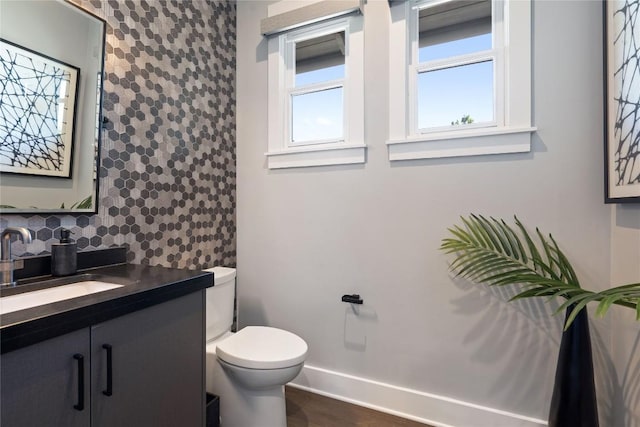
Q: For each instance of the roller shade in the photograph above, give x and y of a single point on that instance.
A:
(316, 12)
(454, 20)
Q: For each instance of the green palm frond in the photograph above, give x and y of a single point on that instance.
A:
(490, 252)
(85, 203)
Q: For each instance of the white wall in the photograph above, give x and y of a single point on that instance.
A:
(307, 236)
(625, 268)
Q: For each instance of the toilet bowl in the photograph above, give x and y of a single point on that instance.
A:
(247, 369)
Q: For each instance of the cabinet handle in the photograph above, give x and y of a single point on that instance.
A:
(109, 390)
(80, 359)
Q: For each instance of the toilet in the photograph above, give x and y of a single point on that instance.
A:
(247, 369)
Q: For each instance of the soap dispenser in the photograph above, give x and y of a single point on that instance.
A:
(64, 260)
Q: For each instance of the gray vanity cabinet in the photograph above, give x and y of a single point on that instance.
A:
(41, 386)
(157, 362)
(145, 368)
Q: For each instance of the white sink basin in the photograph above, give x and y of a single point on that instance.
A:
(57, 293)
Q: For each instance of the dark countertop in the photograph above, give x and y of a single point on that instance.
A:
(144, 286)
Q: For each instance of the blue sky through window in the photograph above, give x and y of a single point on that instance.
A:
(317, 116)
(446, 95)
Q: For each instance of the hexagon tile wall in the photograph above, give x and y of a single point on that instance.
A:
(167, 179)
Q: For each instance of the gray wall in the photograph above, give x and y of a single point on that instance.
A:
(167, 180)
(306, 236)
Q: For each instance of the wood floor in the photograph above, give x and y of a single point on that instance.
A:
(306, 409)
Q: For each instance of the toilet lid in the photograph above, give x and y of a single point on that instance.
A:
(262, 347)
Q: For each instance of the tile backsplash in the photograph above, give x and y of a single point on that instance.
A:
(168, 172)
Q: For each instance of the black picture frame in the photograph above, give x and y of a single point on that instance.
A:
(621, 98)
(18, 62)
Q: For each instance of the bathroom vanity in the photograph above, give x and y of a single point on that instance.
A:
(129, 356)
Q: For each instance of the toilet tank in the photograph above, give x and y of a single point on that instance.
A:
(220, 302)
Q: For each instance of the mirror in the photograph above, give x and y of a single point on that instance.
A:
(51, 76)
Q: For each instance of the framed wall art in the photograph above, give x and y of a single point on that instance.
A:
(622, 100)
(38, 96)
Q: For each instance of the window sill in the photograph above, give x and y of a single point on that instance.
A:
(472, 142)
(316, 156)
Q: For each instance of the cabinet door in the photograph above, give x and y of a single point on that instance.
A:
(155, 375)
(42, 385)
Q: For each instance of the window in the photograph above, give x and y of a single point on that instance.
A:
(316, 95)
(460, 78)
(456, 62)
(316, 92)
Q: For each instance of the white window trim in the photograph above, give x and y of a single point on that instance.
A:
(281, 62)
(511, 132)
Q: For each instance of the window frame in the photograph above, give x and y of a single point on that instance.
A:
(511, 55)
(282, 151)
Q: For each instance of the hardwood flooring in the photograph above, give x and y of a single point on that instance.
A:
(305, 409)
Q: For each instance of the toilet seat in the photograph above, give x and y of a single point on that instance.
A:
(262, 347)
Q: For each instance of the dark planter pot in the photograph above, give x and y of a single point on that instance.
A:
(574, 393)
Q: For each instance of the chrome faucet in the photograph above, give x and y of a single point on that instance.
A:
(8, 265)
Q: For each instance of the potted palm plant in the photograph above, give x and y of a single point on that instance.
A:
(489, 251)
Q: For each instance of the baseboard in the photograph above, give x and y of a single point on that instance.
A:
(438, 411)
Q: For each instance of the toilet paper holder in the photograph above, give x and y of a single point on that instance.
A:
(352, 299)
